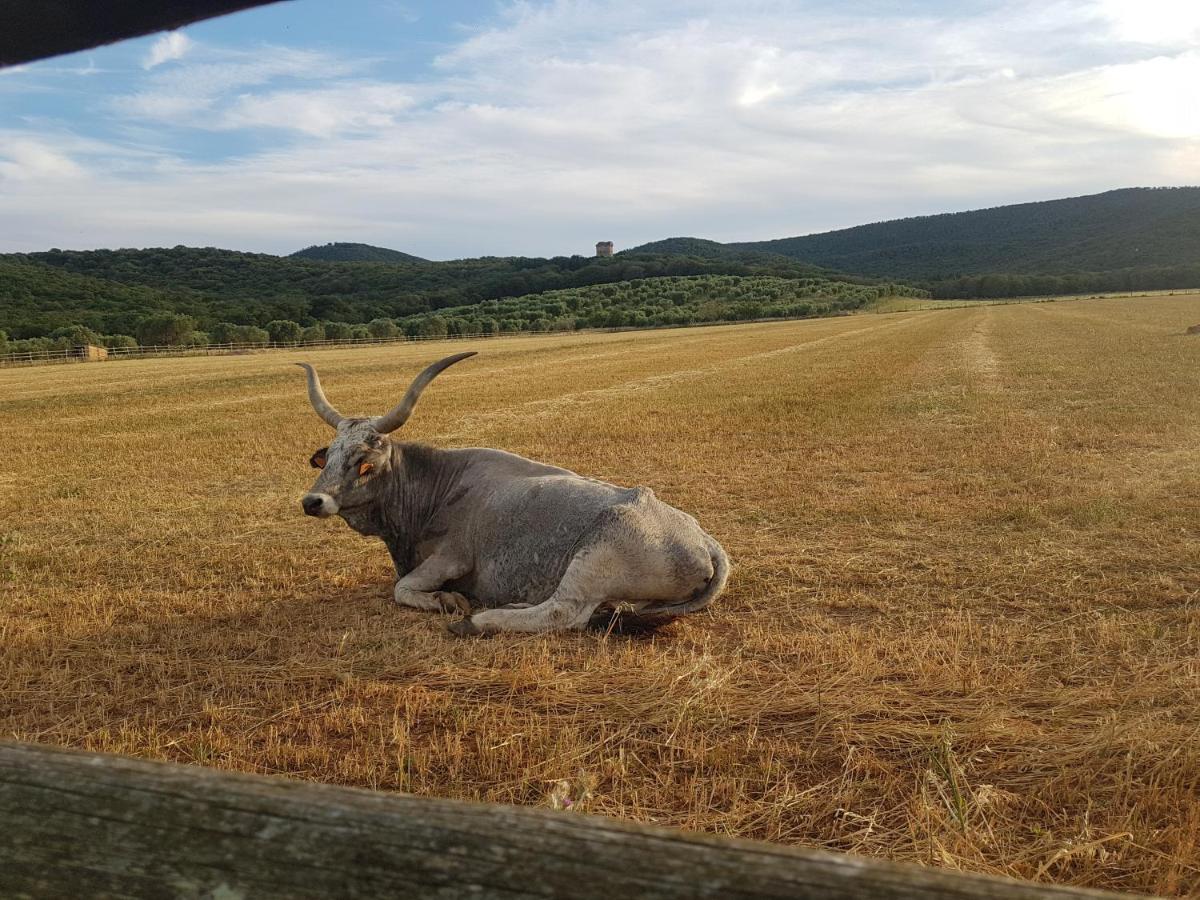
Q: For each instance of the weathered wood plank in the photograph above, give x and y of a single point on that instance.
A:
(33, 29)
(86, 824)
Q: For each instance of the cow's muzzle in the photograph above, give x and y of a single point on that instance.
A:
(319, 505)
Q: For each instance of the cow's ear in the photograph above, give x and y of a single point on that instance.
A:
(317, 461)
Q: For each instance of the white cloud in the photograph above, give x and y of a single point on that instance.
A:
(30, 159)
(1159, 96)
(171, 46)
(220, 78)
(543, 132)
(1174, 23)
(351, 107)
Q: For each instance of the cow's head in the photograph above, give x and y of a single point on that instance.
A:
(361, 452)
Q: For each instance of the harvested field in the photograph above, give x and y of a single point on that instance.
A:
(963, 627)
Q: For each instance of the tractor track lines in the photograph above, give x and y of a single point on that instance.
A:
(542, 407)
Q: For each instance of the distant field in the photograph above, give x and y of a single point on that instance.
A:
(919, 304)
(916, 304)
(963, 627)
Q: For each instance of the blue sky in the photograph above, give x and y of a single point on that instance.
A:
(537, 128)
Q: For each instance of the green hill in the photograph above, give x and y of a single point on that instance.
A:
(1133, 228)
(36, 300)
(684, 246)
(342, 252)
(1129, 239)
(220, 291)
(705, 249)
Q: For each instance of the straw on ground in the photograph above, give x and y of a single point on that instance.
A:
(963, 627)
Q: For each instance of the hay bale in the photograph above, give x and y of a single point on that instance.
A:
(90, 352)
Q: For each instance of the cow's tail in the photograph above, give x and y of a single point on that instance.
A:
(650, 617)
(705, 595)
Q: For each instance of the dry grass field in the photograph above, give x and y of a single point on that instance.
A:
(963, 627)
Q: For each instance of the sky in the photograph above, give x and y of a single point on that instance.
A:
(458, 129)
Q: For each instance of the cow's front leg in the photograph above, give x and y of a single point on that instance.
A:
(419, 588)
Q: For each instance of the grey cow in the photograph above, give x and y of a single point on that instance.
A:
(538, 547)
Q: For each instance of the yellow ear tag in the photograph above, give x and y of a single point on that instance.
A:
(364, 468)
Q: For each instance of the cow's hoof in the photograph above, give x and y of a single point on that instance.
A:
(464, 627)
(452, 601)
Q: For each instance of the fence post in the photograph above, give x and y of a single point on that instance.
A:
(87, 824)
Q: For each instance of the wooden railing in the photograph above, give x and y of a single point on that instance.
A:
(42, 357)
(76, 824)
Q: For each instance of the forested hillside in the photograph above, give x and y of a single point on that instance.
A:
(1135, 227)
(1156, 278)
(1130, 239)
(36, 300)
(685, 246)
(200, 295)
(341, 252)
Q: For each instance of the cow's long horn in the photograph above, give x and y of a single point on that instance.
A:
(316, 397)
(392, 420)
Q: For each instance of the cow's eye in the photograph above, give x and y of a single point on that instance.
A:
(317, 460)
(364, 468)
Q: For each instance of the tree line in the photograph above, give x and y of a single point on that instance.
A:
(649, 302)
(128, 295)
(1157, 278)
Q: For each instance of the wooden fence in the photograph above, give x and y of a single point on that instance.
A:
(76, 824)
(45, 357)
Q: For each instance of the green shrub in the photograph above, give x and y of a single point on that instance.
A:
(165, 330)
(75, 336)
(383, 328)
(284, 331)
